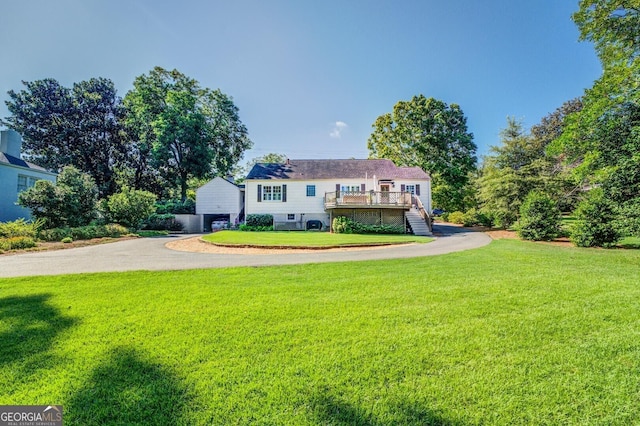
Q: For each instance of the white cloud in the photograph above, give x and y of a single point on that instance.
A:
(338, 127)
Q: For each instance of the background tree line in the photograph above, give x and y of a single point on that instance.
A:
(582, 159)
(167, 130)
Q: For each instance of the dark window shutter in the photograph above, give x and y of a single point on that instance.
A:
(337, 187)
(362, 187)
(417, 189)
(284, 193)
(402, 188)
(259, 193)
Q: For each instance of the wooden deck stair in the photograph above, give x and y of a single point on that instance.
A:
(417, 223)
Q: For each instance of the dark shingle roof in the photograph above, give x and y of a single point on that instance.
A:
(10, 159)
(335, 169)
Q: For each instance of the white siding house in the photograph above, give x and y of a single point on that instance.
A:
(220, 200)
(374, 191)
(16, 175)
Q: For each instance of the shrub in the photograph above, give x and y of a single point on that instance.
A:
(341, 225)
(19, 228)
(473, 217)
(69, 202)
(594, 225)
(17, 243)
(162, 222)
(130, 207)
(249, 228)
(539, 218)
(176, 207)
(259, 220)
(344, 225)
(456, 217)
(115, 230)
(112, 230)
(67, 240)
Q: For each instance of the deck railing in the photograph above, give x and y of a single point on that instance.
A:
(425, 214)
(367, 199)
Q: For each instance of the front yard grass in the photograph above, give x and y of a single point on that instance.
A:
(512, 333)
(308, 239)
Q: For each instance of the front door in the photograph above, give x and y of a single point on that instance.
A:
(384, 189)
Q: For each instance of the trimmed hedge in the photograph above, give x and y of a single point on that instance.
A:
(249, 228)
(259, 220)
(344, 225)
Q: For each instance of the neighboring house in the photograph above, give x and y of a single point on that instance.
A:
(16, 175)
(299, 193)
(221, 201)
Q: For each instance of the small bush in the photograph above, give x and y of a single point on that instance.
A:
(130, 207)
(67, 240)
(594, 225)
(54, 234)
(456, 217)
(162, 222)
(341, 225)
(18, 243)
(115, 230)
(18, 228)
(539, 218)
(259, 220)
(473, 217)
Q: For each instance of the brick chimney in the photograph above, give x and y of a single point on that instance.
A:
(10, 143)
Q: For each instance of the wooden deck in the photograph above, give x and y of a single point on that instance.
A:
(367, 199)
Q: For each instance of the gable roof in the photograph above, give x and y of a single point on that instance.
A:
(10, 159)
(335, 169)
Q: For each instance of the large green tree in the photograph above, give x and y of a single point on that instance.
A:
(80, 126)
(182, 131)
(602, 138)
(428, 133)
(522, 163)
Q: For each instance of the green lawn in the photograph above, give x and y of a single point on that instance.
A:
(308, 239)
(512, 333)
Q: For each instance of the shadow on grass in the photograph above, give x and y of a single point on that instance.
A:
(130, 390)
(30, 329)
(329, 410)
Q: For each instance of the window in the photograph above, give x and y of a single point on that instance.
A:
(25, 182)
(347, 188)
(311, 190)
(272, 193)
(291, 216)
(411, 189)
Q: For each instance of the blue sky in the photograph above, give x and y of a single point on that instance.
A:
(311, 77)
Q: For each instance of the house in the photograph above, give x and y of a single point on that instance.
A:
(220, 201)
(16, 175)
(299, 193)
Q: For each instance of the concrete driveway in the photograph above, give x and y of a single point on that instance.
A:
(151, 254)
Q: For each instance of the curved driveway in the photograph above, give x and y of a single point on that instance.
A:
(151, 254)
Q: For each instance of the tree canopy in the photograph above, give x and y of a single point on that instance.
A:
(79, 126)
(182, 131)
(428, 133)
